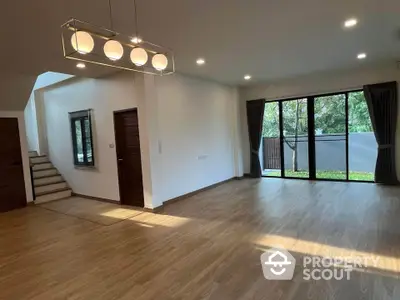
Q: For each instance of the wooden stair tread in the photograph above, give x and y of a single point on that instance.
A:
(47, 169)
(41, 163)
(47, 176)
(50, 183)
(53, 192)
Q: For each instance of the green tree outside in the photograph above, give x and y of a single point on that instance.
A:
(330, 118)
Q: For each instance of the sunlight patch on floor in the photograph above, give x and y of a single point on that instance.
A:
(370, 259)
(151, 219)
(120, 213)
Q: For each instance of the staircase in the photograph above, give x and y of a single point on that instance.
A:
(48, 183)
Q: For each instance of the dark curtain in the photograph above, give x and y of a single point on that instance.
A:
(255, 115)
(382, 105)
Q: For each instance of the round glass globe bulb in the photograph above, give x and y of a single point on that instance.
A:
(139, 56)
(160, 62)
(82, 42)
(113, 50)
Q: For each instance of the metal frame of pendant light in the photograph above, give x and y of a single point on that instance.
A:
(100, 36)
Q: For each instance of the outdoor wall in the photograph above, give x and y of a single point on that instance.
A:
(331, 153)
(186, 132)
(311, 85)
(24, 149)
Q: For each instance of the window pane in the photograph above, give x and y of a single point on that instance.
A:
(295, 137)
(79, 142)
(88, 141)
(270, 152)
(330, 136)
(362, 143)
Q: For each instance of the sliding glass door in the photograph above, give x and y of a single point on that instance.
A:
(270, 154)
(295, 138)
(330, 137)
(327, 137)
(363, 149)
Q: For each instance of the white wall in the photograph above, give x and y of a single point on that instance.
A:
(196, 134)
(24, 149)
(33, 112)
(31, 124)
(186, 132)
(103, 96)
(311, 85)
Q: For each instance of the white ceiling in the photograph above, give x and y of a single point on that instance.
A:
(269, 39)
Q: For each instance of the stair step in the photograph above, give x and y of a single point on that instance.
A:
(52, 192)
(40, 190)
(47, 180)
(45, 173)
(33, 154)
(57, 195)
(39, 159)
(42, 166)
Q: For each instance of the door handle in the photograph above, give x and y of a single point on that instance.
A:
(120, 159)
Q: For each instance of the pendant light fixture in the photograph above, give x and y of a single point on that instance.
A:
(139, 56)
(103, 46)
(160, 62)
(113, 50)
(82, 42)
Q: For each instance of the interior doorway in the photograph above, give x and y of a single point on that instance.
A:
(128, 157)
(12, 183)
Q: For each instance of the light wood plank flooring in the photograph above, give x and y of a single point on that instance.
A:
(207, 246)
(103, 213)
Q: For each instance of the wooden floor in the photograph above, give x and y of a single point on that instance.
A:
(207, 246)
(102, 213)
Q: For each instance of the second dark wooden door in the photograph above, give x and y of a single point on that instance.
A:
(12, 183)
(129, 159)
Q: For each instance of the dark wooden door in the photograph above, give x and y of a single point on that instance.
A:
(128, 158)
(12, 183)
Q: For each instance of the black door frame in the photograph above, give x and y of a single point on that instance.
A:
(311, 136)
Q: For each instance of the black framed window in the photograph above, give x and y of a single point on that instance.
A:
(82, 137)
(323, 137)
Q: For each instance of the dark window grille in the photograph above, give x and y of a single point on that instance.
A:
(82, 137)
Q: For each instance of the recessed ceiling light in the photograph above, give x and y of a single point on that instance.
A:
(361, 55)
(247, 77)
(350, 23)
(81, 65)
(200, 61)
(136, 40)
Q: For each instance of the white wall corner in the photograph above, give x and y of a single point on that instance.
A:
(149, 139)
(236, 135)
(41, 127)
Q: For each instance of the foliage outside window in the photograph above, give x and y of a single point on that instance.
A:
(82, 138)
(329, 123)
(328, 116)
